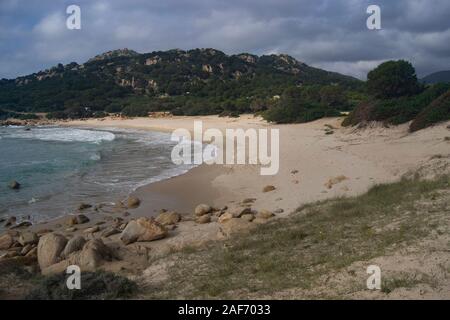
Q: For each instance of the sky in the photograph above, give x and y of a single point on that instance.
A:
(329, 34)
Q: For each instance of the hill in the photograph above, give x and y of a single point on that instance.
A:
(441, 76)
(199, 81)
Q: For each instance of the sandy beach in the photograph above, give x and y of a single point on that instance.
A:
(313, 165)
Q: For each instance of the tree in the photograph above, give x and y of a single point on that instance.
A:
(393, 79)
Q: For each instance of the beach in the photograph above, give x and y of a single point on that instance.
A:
(313, 165)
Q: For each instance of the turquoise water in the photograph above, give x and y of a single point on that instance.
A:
(59, 168)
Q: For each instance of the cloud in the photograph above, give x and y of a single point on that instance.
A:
(330, 34)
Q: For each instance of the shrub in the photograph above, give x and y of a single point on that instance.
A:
(437, 111)
(393, 79)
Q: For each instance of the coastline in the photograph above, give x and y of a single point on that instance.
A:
(314, 165)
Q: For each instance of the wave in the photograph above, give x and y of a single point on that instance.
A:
(63, 135)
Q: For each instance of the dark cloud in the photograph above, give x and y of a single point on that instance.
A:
(331, 34)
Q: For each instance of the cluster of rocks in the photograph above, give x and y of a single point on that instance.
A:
(232, 220)
(18, 244)
(53, 252)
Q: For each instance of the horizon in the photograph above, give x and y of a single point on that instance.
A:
(331, 35)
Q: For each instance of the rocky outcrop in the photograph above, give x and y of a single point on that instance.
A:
(6, 241)
(14, 185)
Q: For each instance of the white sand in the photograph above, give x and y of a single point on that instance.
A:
(363, 157)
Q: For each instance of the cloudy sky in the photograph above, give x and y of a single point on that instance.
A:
(329, 34)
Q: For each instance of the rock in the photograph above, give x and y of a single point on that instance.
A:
(168, 218)
(117, 221)
(32, 252)
(224, 208)
(268, 188)
(50, 247)
(100, 223)
(143, 229)
(75, 244)
(81, 218)
(93, 254)
(72, 229)
(279, 210)
(133, 202)
(225, 217)
(6, 241)
(110, 231)
(248, 216)
(248, 200)
(238, 212)
(203, 219)
(78, 219)
(10, 221)
(234, 226)
(14, 185)
(23, 224)
(93, 229)
(84, 206)
(28, 238)
(26, 249)
(202, 209)
(126, 214)
(264, 214)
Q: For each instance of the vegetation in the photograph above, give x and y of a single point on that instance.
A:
(393, 79)
(200, 81)
(94, 285)
(438, 110)
(397, 97)
(313, 244)
(308, 103)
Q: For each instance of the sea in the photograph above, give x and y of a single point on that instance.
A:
(60, 167)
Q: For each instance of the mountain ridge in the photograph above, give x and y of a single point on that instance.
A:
(114, 78)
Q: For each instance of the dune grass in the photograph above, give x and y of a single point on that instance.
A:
(316, 240)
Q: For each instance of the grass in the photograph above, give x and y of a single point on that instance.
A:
(317, 240)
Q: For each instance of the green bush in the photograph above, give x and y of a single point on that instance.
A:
(393, 79)
(437, 111)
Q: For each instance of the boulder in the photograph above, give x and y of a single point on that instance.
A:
(264, 214)
(50, 247)
(279, 210)
(268, 188)
(26, 249)
(234, 226)
(168, 218)
(202, 209)
(28, 238)
(14, 185)
(203, 219)
(143, 229)
(248, 216)
(133, 202)
(75, 244)
(225, 217)
(6, 241)
(93, 254)
(117, 221)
